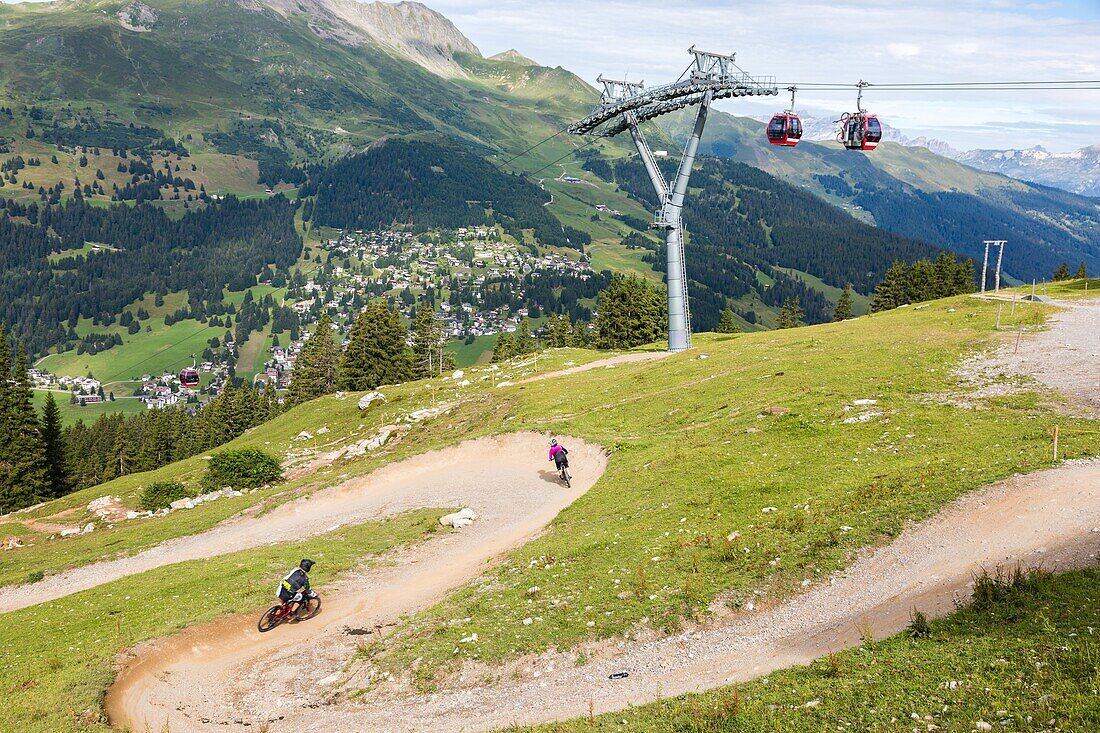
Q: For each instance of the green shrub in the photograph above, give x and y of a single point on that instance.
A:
(35, 575)
(160, 494)
(242, 468)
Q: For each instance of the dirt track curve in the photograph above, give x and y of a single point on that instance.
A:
(221, 677)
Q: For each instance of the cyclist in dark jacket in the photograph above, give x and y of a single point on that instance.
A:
(294, 588)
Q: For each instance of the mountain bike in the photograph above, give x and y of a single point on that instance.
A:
(563, 474)
(281, 612)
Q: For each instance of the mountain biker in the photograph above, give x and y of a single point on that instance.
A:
(558, 454)
(294, 588)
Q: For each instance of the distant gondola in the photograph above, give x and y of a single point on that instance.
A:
(189, 377)
(785, 128)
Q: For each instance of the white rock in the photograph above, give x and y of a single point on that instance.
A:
(504, 384)
(732, 536)
(185, 503)
(465, 383)
(89, 527)
(458, 374)
(769, 509)
(370, 398)
(704, 356)
(528, 621)
(69, 532)
(322, 430)
(982, 725)
(304, 435)
(459, 519)
(468, 639)
(862, 417)
(864, 402)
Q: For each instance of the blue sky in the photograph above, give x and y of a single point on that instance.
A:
(805, 41)
(841, 41)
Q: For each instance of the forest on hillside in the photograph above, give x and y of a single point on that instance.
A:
(743, 221)
(226, 244)
(407, 182)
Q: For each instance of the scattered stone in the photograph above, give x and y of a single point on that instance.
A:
(304, 435)
(812, 704)
(468, 639)
(11, 543)
(704, 356)
(982, 725)
(864, 402)
(184, 503)
(776, 410)
(370, 398)
(752, 430)
(70, 532)
(862, 417)
(528, 621)
(322, 430)
(458, 374)
(465, 383)
(769, 509)
(504, 384)
(458, 519)
(732, 536)
(89, 527)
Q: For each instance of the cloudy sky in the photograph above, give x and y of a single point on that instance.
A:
(842, 41)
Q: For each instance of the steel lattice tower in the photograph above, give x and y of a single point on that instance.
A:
(625, 105)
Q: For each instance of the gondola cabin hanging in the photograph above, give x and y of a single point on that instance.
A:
(189, 377)
(859, 130)
(785, 128)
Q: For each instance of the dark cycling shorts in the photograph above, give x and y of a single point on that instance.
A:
(561, 462)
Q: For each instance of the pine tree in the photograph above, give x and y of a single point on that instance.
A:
(24, 478)
(430, 360)
(377, 353)
(843, 309)
(1082, 272)
(891, 292)
(57, 470)
(630, 312)
(791, 314)
(728, 322)
(316, 369)
(523, 341)
(1062, 273)
(504, 348)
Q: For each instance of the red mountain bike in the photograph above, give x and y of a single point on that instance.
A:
(281, 612)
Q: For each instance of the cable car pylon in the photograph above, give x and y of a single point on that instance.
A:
(625, 105)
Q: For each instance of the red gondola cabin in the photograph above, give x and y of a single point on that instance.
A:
(860, 131)
(785, 129)
(189, 377)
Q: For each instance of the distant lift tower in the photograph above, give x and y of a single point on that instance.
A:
(625, 105)
(1000, 245)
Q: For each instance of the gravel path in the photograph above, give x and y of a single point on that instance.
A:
(1066, 357)
(220, 677)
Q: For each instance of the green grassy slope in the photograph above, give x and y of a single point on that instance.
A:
(692, 459)
(59, 657)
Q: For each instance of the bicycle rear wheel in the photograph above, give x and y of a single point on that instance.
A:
(565, 476)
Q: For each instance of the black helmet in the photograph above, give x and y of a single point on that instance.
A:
(306, 565)
(553, 441)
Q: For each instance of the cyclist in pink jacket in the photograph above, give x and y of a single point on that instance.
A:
(558, 454)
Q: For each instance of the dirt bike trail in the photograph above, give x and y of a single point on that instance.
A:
(221, 678)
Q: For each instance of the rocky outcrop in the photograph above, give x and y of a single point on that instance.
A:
(409, 30)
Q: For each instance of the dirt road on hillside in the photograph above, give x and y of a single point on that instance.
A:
(499, 478)
(220, 677)
(1066, 357)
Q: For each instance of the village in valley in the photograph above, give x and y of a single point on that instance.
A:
(480, 282)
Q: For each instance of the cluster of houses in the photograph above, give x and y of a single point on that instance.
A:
(468, 258)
